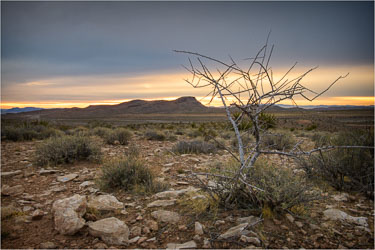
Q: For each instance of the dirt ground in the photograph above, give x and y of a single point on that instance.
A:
(41, 190)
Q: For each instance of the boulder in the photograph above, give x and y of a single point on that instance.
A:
(233, 231)
(198, 228)
(68, 214)
(105, 203)
(111, 230)
(189, 244)
(166, 216)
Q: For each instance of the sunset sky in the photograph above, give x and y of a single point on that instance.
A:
(65, 54)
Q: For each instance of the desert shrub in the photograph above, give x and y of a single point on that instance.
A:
(155, 136)
(266, 121)
(78, 131)
(67, 149)
(194, 133)
(200, 204)
(120, 135)
(279, 141)
(311, 127)
(282, 189)
(28, 133)
(194, 147)
(345, 168)
(129, 174)
(219, 143)
(132, 151)
(100, 131)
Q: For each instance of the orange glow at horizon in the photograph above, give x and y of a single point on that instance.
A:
(343, 100)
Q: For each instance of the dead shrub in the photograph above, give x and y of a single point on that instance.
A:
(194, 147)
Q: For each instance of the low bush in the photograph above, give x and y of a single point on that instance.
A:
(350, 169)
(194, 147)
(120, 135)
(282, 190)
(155, 136)
(67, 149)
(129, 174)
(280, 141)
(100, 131)
(29, 133)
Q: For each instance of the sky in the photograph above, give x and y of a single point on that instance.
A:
(65, 54)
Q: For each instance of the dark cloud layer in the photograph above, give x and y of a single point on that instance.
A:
(54, 39)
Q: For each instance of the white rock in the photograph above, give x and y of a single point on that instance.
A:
(250, 219)
(161, 203)
(252, 240)
(67, 178)
(166, 216)
(68, 214)
(86, 184)
(189, 244)
(111, 230)
(335, 214)
(341, 197)
(290, 218)
(105, 203)
(198, 228)
(234, 231)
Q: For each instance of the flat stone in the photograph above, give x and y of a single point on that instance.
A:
(105, 203)
(86, 184)
(11, 173)
(166, 216)
(134, 240)
(234, 231)
(12, 191)
(341, 197)
(175, 193)
(253, 240)
(57, 189)
(111, 230)
(335, 214)
(37, 214)
(189, 244)
(136, 231)
(47, 245)
(48, 171)
(67, 178)
(250, 220)
(299, 224)
(161, 203)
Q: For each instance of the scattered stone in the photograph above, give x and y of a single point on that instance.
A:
(27, 209)
(341, 197)
(196, 237)
(141, 240)
(206, 243)
(290, 218)
(146, 230)
(12, 191)
(166, 216)
(10, 174)
(100, 245)
(111, 230)
(189, 244)
(136, 231)
(134, 240)
(198, 228)
(219, 222)
(132, 204)
(8, 211)
(47, 245)
(182, 183)
(124, 212)
(234, 231)
(299, 224)
(68, 214)
(48, 171)
(139, 217)
(105, 203)
(250, 220)
(314, 227)
(58, 189)
(66, 178)
(86, 184)
(335, 214)
(253, 240)
(153, 225)
(37, 214)
(182, 227)
(151, 239)
(169, 164)
(161, 203)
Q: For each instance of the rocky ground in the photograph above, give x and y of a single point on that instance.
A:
(62, 207)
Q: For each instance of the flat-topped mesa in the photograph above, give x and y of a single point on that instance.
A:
(186, 99)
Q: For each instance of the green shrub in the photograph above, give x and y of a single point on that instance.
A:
(194, 147)
(28, 133)
(67, 149)
(282, 189)
(280, 141)
(350, 169)
(129, 174)
(120, 135)
(155, 136)
(101, 131)
(311, 127)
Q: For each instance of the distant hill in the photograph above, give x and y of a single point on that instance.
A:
(181, 105)
(327, 107)
(19, 110)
